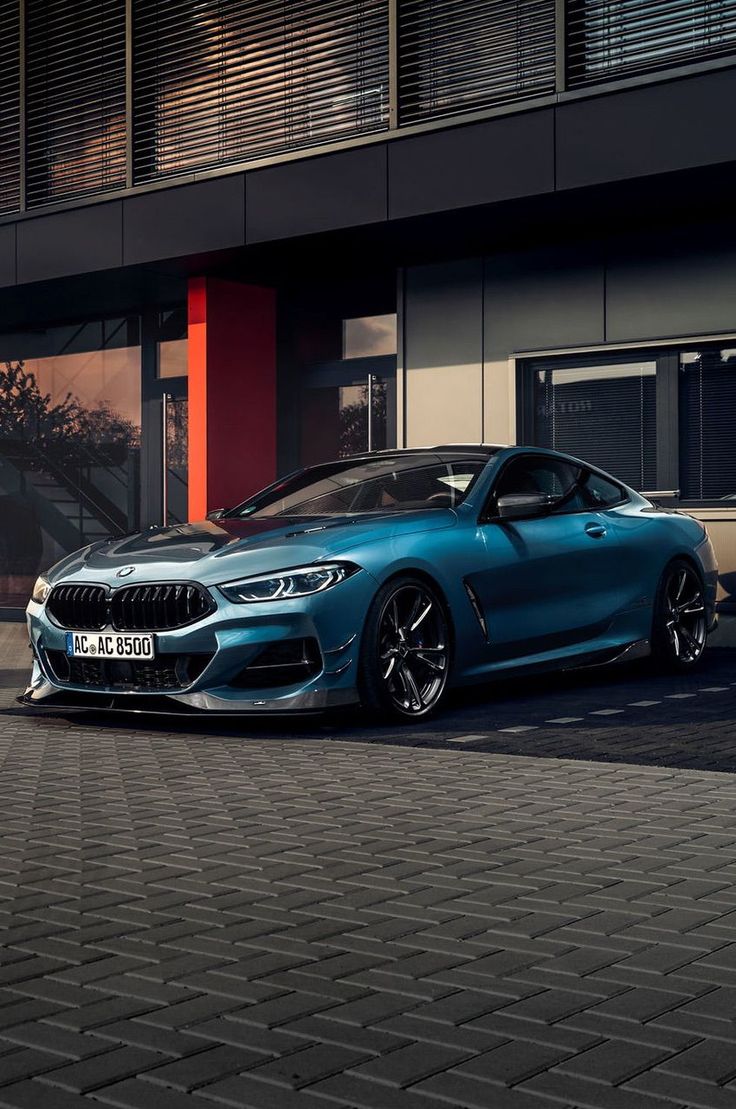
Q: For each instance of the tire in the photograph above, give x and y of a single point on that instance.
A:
(406, 656)
(679, 627)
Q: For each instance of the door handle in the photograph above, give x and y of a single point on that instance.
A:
(595, 531)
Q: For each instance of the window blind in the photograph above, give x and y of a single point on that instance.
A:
(460, 55)
(9, 106)
(613, 38)
(707, 406)
(218, 81)
(604, 414)
(75, 100)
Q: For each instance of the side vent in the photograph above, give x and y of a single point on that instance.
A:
(477, 609)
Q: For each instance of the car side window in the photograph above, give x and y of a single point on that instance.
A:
(601, 493)
(537, 474)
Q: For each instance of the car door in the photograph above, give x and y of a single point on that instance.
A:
(552, 580)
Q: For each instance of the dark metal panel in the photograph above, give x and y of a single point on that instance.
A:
(673, 284)
(676, 125)
(543, 299)
(190, 219)
(7, 255)
(321, 194)
(512, 156)
(77, 241)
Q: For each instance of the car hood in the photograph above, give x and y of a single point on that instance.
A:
(222, 550)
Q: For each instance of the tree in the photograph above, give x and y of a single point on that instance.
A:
(28, 416)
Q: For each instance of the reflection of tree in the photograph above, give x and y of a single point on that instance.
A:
(354, 421)
(30, 416)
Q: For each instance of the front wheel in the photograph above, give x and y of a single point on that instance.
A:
(405, 656)
(679, 628)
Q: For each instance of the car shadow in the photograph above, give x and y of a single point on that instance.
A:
(626, 713)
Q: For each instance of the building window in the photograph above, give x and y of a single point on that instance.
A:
(369, 336)
(70, 431)
(707, 387)
(75, 98)
(461, 55)
(658, 420)
(10, 113)
(220, 82)
(604, 413)
(613, 38)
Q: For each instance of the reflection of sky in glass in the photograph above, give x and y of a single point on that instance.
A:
(109, 378)
(369, 336)
(603, 373)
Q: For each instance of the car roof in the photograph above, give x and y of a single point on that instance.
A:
(464, 450)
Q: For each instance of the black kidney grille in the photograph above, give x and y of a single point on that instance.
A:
(158, 607)
(82, 607)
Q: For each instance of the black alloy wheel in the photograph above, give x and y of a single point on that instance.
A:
(405, 659)
(680, 627)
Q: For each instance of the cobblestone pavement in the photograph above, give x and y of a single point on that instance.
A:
(322, 914)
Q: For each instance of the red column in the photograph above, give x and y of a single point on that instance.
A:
(232, 392)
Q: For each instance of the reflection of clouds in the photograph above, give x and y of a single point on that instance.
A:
(370, 336)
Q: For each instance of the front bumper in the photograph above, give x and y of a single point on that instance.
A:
(226, 642)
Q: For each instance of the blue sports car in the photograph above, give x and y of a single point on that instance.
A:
(382, 579)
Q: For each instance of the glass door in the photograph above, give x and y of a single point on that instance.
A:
(165, 422)
(174, 447)
(348, 407)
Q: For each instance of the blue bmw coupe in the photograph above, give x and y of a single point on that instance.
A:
(382, 579)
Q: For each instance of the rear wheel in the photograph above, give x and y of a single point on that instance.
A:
(679, 628)
(405, 656)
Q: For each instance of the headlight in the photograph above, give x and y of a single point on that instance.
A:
(41, 589)
(300, 582)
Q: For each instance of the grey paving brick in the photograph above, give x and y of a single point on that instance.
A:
(101, 1070)
(706, 1061)
(512, 1062)
(136, 1093)
(458, 1089)
(613, 1062)
(410, 1064)
(33, 1094)
(309, 1065)
(553, 1088)
(205, 1067)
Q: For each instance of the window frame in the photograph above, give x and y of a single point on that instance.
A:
(667, 422)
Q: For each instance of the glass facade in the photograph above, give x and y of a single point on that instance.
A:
(85, 410)
(70, 439)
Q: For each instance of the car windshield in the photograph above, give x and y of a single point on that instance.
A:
(361, 486)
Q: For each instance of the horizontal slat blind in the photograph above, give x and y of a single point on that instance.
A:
(707, 443)
(605, 414)
(460, 55)
(218, 81)
(75, 105)
(9, 105)
(613, 38)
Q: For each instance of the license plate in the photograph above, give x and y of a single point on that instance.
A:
(108, 645)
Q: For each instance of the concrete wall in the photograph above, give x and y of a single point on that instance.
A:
(465, 322)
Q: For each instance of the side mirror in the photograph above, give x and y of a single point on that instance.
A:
(525, 506)
(216, 514)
